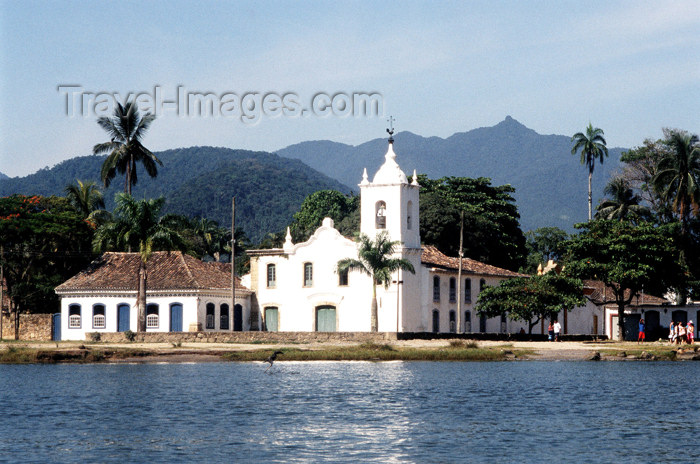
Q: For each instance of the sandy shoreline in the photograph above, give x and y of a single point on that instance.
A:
(524, 350)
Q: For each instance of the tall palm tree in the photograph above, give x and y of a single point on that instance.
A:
(623, 203)
(126, 129)
(138, 227)
(678, 176)
(374, 259)
(85, 197)
(592, 146)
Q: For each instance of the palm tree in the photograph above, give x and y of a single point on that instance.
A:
(623, 203)
(374, 259)
(138, 227)
(592, 146)
(126, 129)
(678, 176)
(85, 197)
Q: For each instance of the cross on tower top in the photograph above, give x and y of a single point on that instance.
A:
(390, 130)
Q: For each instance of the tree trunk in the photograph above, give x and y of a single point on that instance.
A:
(621, 321)
(590, 195)
(374, 323)
(141, 300)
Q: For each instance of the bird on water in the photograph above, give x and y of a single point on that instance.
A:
(272, 359)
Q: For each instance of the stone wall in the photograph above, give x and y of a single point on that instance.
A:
(31, 327)
(246, 337)
(310, 337)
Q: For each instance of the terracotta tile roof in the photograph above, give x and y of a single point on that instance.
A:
(166, 271)
(597, 292)
(433, 257)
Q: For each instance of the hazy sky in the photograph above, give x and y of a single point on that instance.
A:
(630, 68)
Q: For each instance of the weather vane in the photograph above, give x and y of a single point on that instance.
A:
(390, 130)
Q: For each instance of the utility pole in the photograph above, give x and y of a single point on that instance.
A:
(459, 274)
(233, 262)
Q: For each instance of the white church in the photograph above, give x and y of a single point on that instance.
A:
(297, 288)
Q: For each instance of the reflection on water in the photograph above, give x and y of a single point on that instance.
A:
(528, 412)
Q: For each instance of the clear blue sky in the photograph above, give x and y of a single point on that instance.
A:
(629, 67)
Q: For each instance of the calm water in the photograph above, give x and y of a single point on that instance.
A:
(530, 412)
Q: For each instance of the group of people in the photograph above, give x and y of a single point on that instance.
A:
(680, 333)
(554, 330)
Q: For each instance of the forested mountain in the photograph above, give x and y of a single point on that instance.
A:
(3, 176)
(551, 186)
(200, 181)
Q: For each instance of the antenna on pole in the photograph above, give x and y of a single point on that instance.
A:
(390, 130)
(233, 260)
(459, 273)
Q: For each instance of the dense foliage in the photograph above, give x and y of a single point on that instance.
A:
(343, 209)
(531, 299)
(491, 230)
(44, 241)
(542, 245)
(627, 258)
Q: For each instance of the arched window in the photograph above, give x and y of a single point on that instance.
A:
(467, 321)
(380, 215)
(482, 284)
(271, 276)
(436, 321)
(308, 274)
(409, 215)
(453, 289)
(223, 317)
(211, 316)
(453, 321)
(74, 316)
(152, 316)
(343, 278)
(98, 316)
(436, 288)
(467, 290)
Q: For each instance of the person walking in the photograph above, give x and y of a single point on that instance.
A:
(672, 333)
(642, 334)
(550, 331)
(557, 330)
(690, 333)
(681, 333)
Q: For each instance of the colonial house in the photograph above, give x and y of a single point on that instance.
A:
(183, 294)
(297, 288)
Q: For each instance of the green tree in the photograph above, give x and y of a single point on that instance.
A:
(492, 231)
(678, 176)
(374, 258)
(592, 146)
(43, 242)
(531, 299)
(85, 197)
(126, 129)
(320, 205)
(623, 203)
(543, 244)
(138, 226)
(626, 257)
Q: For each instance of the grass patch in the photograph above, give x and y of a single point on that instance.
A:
(374, 352)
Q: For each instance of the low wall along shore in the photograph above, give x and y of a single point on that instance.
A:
(309, 337)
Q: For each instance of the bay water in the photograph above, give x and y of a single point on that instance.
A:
(423, 412)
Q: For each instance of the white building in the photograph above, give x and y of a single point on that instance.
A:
(297, 288)
(183, 294)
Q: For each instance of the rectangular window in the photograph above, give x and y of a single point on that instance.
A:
(308, 274)
(152, 316)
(343, 278)
(271, 276)
(467, 290)
(98, 317)
(453, 290)
(74, 317)
(436, 288)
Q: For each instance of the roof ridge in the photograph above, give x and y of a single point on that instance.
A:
(189, 271)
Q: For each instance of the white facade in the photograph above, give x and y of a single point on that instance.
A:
(289, 301)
